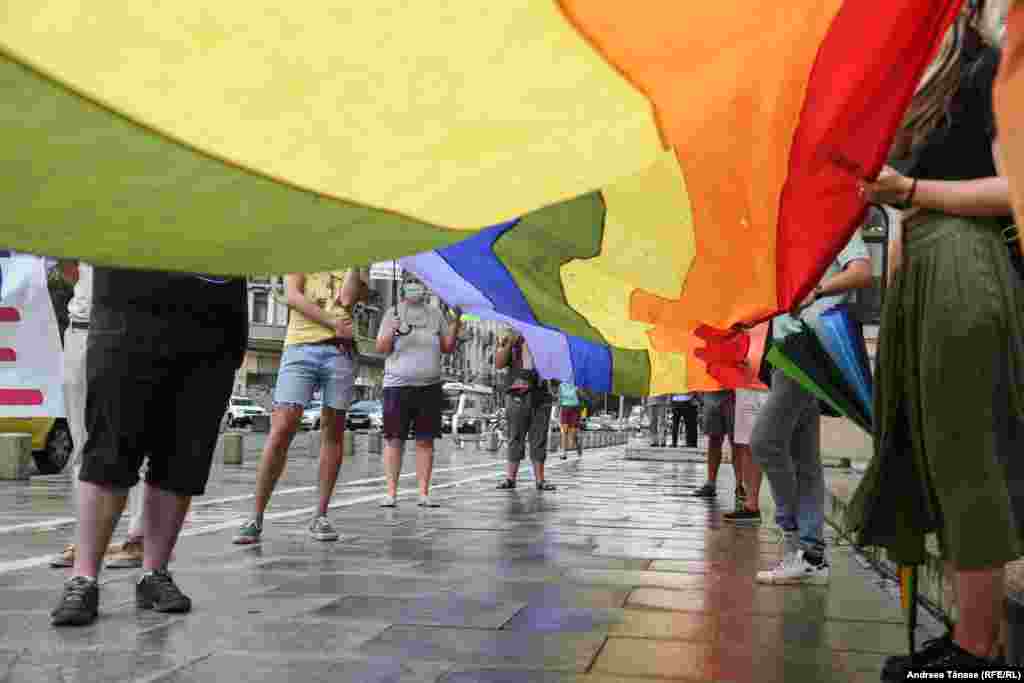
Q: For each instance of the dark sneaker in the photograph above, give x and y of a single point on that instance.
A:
(507, 484)
(742, 517)
(938, 654)
(248, 534)
(896, 667)
(158, 592)
(579, 447)
(544, 486)
(705, 491)
(79, 604)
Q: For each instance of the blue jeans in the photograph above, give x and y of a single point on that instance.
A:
(307, 367)
(786, 443)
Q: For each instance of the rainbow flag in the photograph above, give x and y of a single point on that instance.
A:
(625, 180)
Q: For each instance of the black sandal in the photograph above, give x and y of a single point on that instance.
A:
(507, 484)
(544, 486)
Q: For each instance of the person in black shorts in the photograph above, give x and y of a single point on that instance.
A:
(414, 336)
(162, 353)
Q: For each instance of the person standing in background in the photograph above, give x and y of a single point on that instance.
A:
(657, 407)
(684, 409)
(127, 555)
(413, 337)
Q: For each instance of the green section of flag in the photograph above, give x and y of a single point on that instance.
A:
(537, 247)
(84, 182)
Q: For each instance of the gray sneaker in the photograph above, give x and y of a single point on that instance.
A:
(322, 530)
(248, 534)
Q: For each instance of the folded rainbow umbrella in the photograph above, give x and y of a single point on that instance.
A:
(625, 180)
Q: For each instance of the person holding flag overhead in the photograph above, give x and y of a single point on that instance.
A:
(786, 442)
(528, 407)
(319, 352)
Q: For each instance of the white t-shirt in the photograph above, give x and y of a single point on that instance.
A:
(80, 306)
(415, 360)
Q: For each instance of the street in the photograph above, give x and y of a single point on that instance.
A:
(618, 575)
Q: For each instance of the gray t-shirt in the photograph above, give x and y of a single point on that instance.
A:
(416, 359)
(785, 324)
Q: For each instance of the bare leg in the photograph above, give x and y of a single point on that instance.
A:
(740, 458)
(393, 464)
(714, 457)
(283, 424)
(99, 509)
(512, 469)
(331, 453)
(752, 477)
(565, 438)
(538, 470)
(424, 464)
(982, 593)
(164, 513)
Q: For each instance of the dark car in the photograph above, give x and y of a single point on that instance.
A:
(364, 415)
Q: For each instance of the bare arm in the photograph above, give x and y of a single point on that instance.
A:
(295, 297)
(450, 341)
(503, 356)
(386, 335)
(354, 289)
(69, 271)
(979, 197)
(856, 275)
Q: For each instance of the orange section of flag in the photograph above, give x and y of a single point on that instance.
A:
(732, 138)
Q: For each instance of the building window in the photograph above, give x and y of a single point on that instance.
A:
(260, 307)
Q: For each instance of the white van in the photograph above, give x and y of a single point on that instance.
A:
(466, 407)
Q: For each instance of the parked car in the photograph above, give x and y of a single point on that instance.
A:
(360, 415)
(311, 416)
(241, 411)
(51, 440)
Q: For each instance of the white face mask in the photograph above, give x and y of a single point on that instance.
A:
(415, 293)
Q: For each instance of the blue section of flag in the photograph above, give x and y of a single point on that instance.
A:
(592, 363)
(475, 261)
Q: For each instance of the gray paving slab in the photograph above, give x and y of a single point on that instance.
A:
(619, 575)
(525, 650)
(232, 666)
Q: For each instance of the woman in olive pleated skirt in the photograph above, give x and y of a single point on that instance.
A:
(948, 404)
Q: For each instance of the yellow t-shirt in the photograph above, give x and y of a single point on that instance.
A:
(324, 290)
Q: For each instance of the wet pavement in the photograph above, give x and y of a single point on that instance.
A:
(619, 575)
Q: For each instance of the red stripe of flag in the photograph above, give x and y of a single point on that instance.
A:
(8, 355)
(9, 315)
(866, 71)
(21, 397)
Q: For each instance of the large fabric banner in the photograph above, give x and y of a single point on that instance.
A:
(31, 370)
(625, 181)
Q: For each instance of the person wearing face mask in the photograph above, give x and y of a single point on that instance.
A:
(413, 337)
(529, 405)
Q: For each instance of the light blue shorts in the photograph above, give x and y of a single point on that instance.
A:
(308, 367)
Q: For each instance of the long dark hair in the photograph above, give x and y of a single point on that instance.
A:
(930, 108)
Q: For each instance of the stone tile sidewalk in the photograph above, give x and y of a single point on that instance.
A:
(619, 575)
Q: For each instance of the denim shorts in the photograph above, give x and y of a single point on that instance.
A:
(308, 367)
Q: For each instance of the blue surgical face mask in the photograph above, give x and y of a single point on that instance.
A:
(415, 292)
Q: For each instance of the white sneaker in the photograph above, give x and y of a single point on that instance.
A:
(426, 502)
(389, 502)
(795, 569)
(322, 530)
